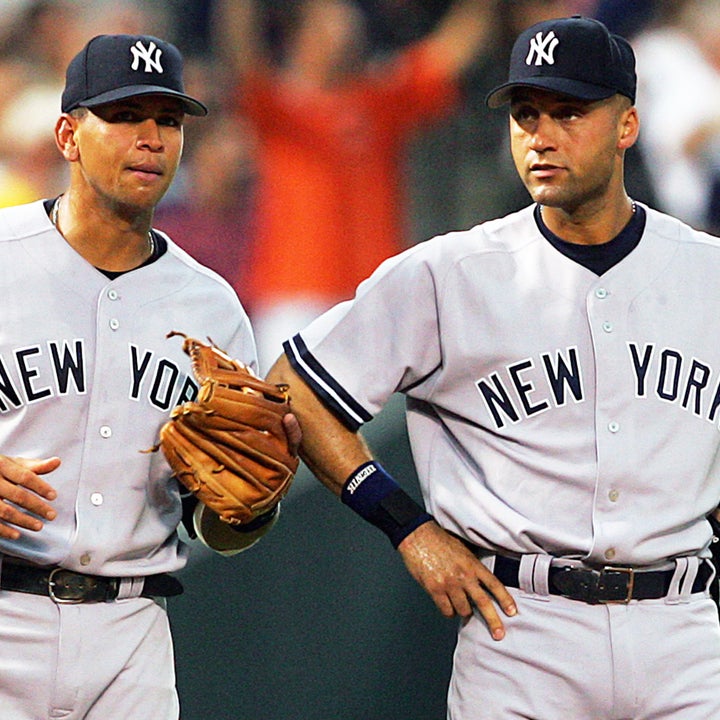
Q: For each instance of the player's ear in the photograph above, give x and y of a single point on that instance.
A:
(65, 137)
(629, 127)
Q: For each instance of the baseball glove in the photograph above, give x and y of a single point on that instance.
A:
(229, 447)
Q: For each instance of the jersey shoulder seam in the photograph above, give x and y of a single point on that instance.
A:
(23, 221)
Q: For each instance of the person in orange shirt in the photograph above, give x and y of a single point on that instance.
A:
(332, 127)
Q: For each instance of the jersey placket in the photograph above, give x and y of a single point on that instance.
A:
(93, 510)
(606, 321)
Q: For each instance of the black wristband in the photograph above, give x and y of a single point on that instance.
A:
(373, 494)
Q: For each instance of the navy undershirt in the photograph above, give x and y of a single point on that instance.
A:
(159, 247)
(598, 258)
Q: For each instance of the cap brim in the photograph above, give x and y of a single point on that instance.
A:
(564, 86)
(190, 105)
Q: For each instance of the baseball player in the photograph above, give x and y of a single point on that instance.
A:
(88, 521)
(562, 379)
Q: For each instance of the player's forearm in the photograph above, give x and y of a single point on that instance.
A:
(328, 448)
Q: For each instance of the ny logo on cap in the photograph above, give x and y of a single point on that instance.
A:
(542, 49)
(141, 53)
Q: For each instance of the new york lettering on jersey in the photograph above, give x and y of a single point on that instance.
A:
(28, 375)
(528, 387)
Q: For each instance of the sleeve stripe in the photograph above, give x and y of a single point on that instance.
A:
(350, 412)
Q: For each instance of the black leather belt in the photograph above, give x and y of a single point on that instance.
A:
(66, 586)
(608, 585)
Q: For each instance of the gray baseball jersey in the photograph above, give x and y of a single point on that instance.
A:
(549, 410)
(87, 374)
(554, 412)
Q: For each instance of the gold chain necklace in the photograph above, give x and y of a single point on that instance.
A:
(54, 220)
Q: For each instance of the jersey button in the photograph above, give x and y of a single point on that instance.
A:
(613, 426)
(601, 293)
(613, 495)
(113, 294)
(96, 499)
(105, 431)
(607, 327)
(114, 324)
(610, 553)
(85, 559)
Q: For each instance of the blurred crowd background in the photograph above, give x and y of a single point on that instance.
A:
(340, 132)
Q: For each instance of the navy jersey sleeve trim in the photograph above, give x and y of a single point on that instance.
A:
(330, 392)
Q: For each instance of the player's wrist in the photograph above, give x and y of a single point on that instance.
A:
(229, 539)
(259, 522)
(374, 495)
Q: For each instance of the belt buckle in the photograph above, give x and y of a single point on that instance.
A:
(617, 583)
(66, 587)
(607, 586)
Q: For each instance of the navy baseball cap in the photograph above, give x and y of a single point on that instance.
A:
(575, 56)
(115, 67)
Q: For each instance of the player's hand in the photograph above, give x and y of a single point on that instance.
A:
(24, 494)
(454, 578)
